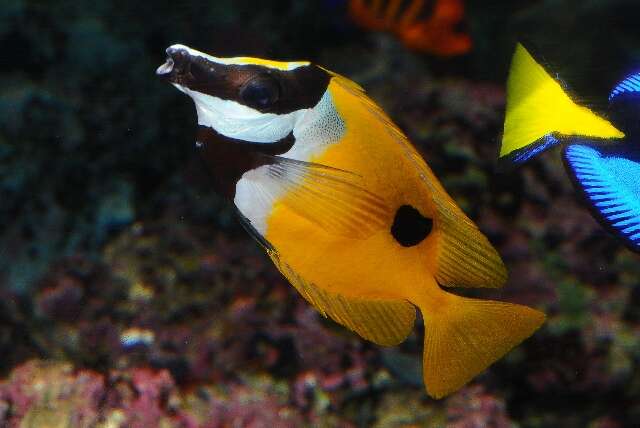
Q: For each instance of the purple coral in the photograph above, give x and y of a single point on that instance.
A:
(472, 407)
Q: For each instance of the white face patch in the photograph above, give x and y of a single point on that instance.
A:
(278, 65)
(240, 122)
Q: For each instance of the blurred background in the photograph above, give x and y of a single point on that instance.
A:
(130, 295)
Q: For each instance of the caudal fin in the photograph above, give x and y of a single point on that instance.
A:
(464, 336)
(539, 110)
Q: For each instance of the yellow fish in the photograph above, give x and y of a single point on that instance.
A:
(348, 210)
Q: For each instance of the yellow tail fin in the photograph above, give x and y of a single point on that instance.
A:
(464, 336)
(538, 106)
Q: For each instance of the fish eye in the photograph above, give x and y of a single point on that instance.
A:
(261, 92)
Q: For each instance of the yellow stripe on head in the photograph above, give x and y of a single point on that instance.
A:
(537, 106)
(280, 65)
(244, 60)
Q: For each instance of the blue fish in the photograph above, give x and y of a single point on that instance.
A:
(601, 156)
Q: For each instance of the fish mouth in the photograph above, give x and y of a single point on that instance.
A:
(177, 68)
(186, 69)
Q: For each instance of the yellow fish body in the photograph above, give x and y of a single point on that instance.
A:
(348, 210)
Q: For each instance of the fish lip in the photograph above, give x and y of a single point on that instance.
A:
(165, 68)
(177, 67)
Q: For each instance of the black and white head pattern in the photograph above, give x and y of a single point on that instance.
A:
(250, 105)
(242, 98)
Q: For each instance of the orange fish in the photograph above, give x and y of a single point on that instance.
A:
(348, 210)
(436, 34)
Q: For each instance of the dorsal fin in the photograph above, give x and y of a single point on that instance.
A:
(465, 257)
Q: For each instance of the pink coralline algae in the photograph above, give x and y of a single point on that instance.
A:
(53, 394)
(142, 398)
(256, 404)
(472, 407)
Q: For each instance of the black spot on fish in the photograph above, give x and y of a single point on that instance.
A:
(410, 227)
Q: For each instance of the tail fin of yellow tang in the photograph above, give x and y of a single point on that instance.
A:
(539, 109)
(464, 336)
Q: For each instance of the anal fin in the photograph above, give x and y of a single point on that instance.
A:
(386, 322)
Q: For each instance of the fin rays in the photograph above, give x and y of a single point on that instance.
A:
(465, 336)
(611, 185)
(630, 84)
(383, 321)
(541, 115)
(466, 258)
(333, 199)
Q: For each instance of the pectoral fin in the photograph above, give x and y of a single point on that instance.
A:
(333, 199)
